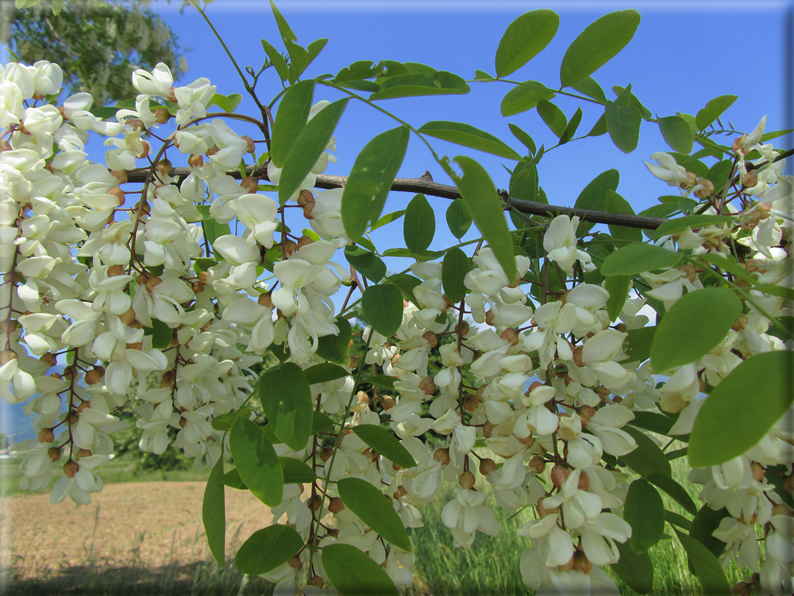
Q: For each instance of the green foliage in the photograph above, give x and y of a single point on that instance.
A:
(97, 43)
(374, 509)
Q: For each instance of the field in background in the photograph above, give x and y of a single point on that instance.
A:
(142, 536)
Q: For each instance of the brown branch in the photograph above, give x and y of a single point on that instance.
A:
(428, 187)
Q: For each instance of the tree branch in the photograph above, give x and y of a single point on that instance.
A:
(435, 189)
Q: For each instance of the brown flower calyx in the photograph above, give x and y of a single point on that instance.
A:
(317, 582)
(83, 453)
(195, 161)
(487, 466)
(304, 241)
(538, 464)
(543, 511)
(399, 493)
(427, 385)
(335, 505)
(295, 562)
(162, 115)
(431, 338)
(511, 336)
(7, 356)
(70, 468)
(581, 563)
(441, 455)
(249, 184)
(466, 480)
(46, 435)
(388, 403)
(471, 402)
(54, 453)
(314, 503)
(559, 475)
(326, 453)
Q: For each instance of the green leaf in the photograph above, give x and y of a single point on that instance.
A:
(647, 458)
(657, 423)
(283, 27)
(636, 258)
(366, 263)
(406, 283)
(419, 84)
(600, 127)
(730, 423)
(694, 325)
(232, 480)
(594, 196)
(453, 270)
(707, 567)
(267, 549)
(677, 520)
(388, 218)
(524, 39)
(479, 192)
(287, 401)
(639, 344)
(617, 204)
(213, 513)
(384, 381)
(522, 136)
(623, 124)
(320, 422)
(627, 98)
(257, 462)
(634, 569)
(277, 60)
(675, 490)
(419, 225)
(225, 421)
(212, 229)
(524, 181)
(458, 218)
(570, 128)
(162, 334)
(524, 97)
(354, 573)
(589, 87)
(335, 348)
(468, 136)
(677, 134)
(315, 47)
(618, 288)
(713, 110)
(383, 307)
(291, 118)
(374, 509)
(385, 443)
(324, 372)
(597, 45)
(703, 525)
(371, 179)
(308, 147)
(553, 117)
(644, 512)
(295, 471)
(673, 226)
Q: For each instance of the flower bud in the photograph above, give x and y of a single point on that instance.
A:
(466, 480)
(581, 563)
(441, 455)
(162, 115)
(70, 468)
(487, 466)
(706, 190)
(164, 167)
(295, 562)
(559, 475)
(316, 581)
(511, 336)
(46, 435)
(54, 453)
(335, 505)
(251, 146)
(538, 464)
(251, 185)
(326, 453)
(7, 356)
(428, 385)
(431, 338)
(314, 502)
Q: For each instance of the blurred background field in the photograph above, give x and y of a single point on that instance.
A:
(143, 535)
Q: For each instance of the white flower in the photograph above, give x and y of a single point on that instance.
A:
(667, 170)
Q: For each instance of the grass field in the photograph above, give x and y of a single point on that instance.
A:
(489, 568)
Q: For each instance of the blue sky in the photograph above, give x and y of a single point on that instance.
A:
(683, 55)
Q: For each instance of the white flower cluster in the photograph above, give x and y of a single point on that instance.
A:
(139, 301)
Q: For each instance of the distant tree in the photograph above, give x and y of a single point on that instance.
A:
(4, 441)
(98, 43)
